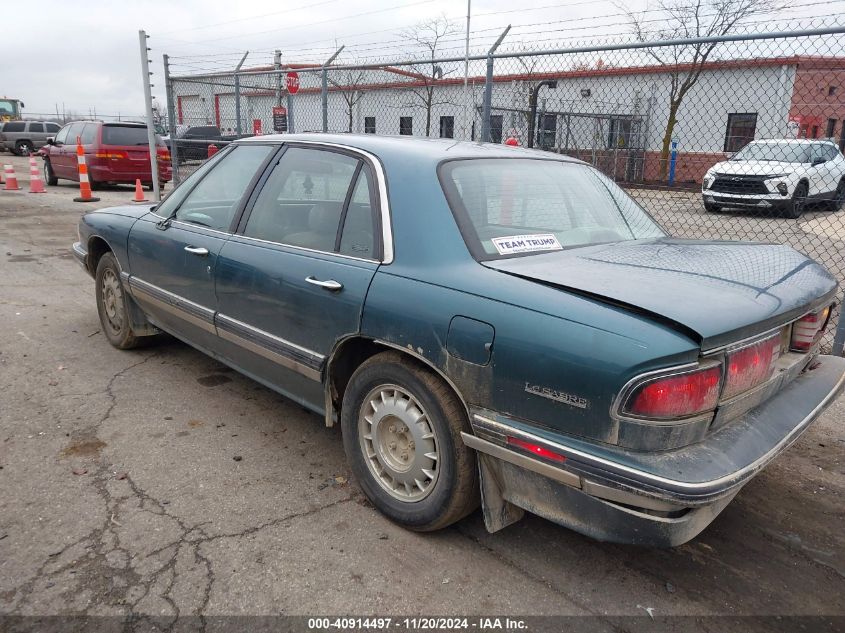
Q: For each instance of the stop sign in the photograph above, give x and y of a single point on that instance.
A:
(292, 82)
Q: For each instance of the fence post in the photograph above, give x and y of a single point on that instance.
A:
(277, 66)
(324, 91)
(238, 129)
(487, 104)
(148, 102)
(171, 119)
(839, 336)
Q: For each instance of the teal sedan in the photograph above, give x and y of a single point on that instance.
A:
(489, 326)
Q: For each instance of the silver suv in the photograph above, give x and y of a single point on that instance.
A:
(23, 137)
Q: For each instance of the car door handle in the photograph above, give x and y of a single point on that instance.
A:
(329, 284)
(197, 250)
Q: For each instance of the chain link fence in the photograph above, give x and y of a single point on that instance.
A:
(735, 138)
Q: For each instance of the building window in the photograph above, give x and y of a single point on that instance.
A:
(619, 134)
(447, 127)
(406, 125)
(815, 131)
(496, 128)
(369, 125)
(548, 131)
(740, 132)
(831, 127)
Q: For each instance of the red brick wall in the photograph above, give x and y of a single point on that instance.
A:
(812, 103)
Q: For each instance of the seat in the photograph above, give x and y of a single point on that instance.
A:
(357, 238)
(323, 220)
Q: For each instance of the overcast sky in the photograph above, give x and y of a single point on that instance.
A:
(85, 53)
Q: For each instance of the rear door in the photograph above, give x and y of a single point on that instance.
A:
(293, 280)
(173, 253)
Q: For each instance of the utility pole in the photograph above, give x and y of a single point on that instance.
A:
(148, 102)
(467, 125)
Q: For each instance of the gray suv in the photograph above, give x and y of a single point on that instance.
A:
(23, 137)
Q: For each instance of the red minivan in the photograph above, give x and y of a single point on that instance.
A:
(114, 152)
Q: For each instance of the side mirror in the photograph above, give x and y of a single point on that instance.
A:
(818, 161)
(51, 140)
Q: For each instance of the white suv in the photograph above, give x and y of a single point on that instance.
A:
(778, 175)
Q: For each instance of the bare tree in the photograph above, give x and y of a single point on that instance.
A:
(348, 83)
(429, 36)
(684, 63)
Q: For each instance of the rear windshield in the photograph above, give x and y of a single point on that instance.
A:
(509, 207)
(124, 135)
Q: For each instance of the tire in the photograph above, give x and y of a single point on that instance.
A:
(24, 148)
(712, 208)
(796, 206)
(447, 487)
(111, 304)
(49, 175)
(838, 197)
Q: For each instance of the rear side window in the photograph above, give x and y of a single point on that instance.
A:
(16, 126)
(37, 128)
(52, 127)
(124, 135)
(89, 133)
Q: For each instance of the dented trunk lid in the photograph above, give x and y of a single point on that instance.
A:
(716, 291)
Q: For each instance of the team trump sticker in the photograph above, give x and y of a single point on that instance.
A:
(526, 243)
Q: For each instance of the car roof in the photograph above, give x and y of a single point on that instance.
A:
(434, 150)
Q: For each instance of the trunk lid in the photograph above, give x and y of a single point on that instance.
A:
(718, 291)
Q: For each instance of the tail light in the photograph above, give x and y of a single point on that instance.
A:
(163, 154)
(750, 365)
(807, 330)
(677, 395)
(112, 154)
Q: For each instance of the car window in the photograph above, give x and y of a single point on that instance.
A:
(61, 137)
(89, 133)
(17, 126)
(172, 201)
(36, 128)
(832, 152)
(511, 207)
(357, 234)
(213, 201)
(74, 131)
(303, 200)
(52, 127)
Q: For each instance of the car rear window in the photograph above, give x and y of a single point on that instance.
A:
(124, 135)
(508, 207)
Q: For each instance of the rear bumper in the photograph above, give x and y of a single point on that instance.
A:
(100, 173)
(647, 498)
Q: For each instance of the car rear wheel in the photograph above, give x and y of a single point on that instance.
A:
(839, 196)
(712, 208)
(798, 203)
(402, 436)
(23, 148)
(49, 175)
(111, 304)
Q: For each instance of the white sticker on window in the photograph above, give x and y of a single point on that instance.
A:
(526, 243)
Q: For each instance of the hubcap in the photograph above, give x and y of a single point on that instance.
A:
(399, 443)
(111, 297)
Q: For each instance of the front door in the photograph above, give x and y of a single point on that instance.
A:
(173, 253)
(293, 281)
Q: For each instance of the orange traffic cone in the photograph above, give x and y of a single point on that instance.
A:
(84, 183)
(11, 179)
(36, 185)
(139, 192)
